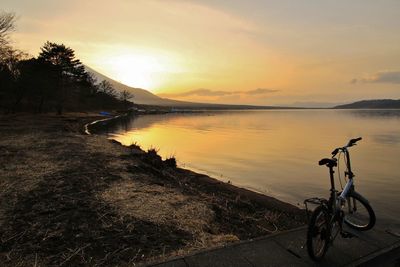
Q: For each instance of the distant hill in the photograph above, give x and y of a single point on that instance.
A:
(377, 104)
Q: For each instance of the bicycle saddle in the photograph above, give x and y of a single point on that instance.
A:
(330, 162)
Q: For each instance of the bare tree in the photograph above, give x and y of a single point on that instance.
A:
(7, 22)
(91, 82)
(106, 87)
(9, 56)
(7, 53)
(125, 96)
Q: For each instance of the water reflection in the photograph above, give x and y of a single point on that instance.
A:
(375, 113)
(276, 151)
(387, 139)
(119, 124)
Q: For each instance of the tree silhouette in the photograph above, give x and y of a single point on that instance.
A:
(7, 22)
(6, 86)
(71, 71)
(36, 80)
(91, 82)
(64, 58)
(9, 58)
(8, 55)
(55, 80)
(106, 87)
(124, 96)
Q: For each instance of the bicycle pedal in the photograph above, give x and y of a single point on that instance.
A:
(347, 235)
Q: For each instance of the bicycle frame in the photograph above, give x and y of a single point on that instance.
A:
(350, 183)
(349, 186)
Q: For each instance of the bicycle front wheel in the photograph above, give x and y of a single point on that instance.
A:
(318, 234)
(358, 213)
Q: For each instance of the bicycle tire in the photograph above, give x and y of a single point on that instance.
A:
(318, 231)
(360, 216)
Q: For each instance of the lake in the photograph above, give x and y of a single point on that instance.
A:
(276, 152)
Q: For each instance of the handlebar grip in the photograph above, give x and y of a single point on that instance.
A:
(334, 152)
(353, 141)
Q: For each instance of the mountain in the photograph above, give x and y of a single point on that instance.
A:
(373, 104)
(142, 96)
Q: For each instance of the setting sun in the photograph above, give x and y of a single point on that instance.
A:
(139, 68)
(136, 70)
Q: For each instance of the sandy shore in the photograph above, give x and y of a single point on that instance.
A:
(70, 199)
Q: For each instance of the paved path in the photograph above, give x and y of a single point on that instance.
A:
(372, 248)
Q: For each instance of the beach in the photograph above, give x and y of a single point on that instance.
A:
(68, 198)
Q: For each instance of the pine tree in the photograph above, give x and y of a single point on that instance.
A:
(64, 58)
(71, 71)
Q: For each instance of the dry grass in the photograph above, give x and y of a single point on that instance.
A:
(166, 206)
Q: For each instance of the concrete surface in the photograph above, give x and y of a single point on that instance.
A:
(377, 247)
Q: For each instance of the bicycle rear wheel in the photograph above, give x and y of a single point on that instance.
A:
(358, 213)
(318, 234)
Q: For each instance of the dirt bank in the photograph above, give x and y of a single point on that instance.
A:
(70, 199)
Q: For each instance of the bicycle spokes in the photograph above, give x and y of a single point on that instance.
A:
(356, 214)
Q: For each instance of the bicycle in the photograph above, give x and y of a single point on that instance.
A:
(347, 206)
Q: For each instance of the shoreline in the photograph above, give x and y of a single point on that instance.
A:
(94, 197)
(211, 179)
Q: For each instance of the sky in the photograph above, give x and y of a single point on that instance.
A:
(298, 52)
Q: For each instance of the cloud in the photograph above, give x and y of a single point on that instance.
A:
(354, 81)
(260, 91)
(390, 76)
(202, 92)
(208, 92)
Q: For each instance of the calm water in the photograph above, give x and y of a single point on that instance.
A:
(276, 151)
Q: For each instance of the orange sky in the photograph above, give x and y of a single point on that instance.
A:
(252, 52)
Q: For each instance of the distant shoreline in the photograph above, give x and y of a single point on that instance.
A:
(157, 110)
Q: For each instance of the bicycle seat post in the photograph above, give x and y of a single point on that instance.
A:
(331, 175)
(330, 163)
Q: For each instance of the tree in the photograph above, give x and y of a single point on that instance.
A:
(36, 80)
(8, 55)
(64, 58)
(71, 71)
(91, 83)
(106, 88)
(55, 79)
(6, 87)
(9, 58)
(124, 96)
(7, 22)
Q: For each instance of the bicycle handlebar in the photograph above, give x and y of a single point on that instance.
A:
(352, 142)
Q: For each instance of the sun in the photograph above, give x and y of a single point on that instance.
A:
(148, 69)
(139, 71)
